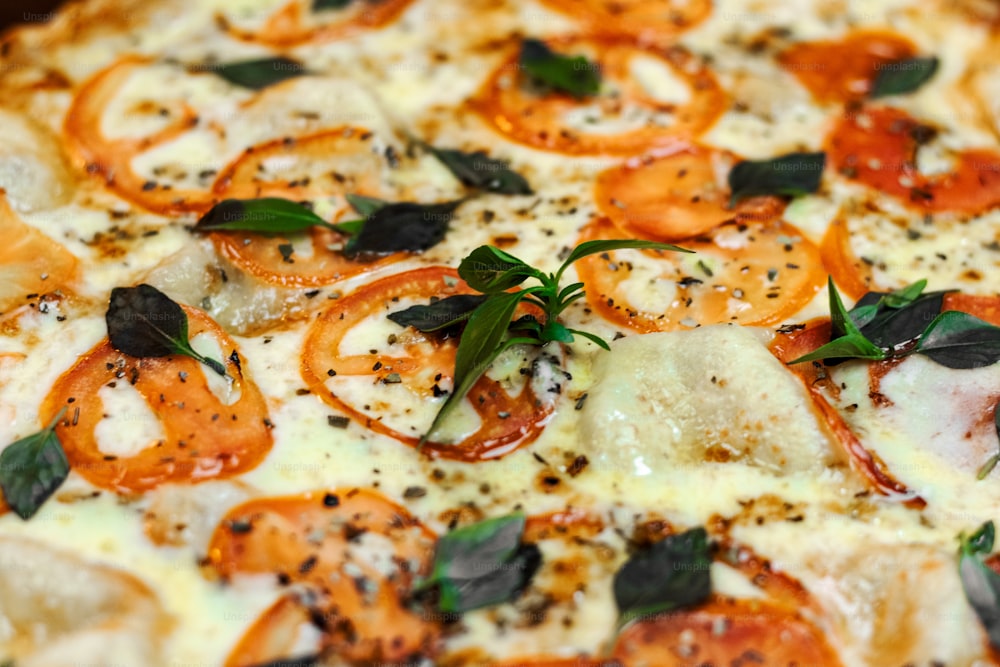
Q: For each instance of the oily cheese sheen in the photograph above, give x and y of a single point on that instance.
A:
(291, 500)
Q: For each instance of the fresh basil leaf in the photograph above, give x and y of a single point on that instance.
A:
(482, 565)
(401, 227)
(891, 327)
(555, 331)
(904, 296)
(574, 75)
(490, 269)
(440, 314)
(790, 175)
(593, 338)
(365, 206)
(478, 170)
(259, 73)
(980, 583)
(32, 468)
(588, 248)
(479, 346)
(320, 5)
(269, 215)
(670, 574)
(144, 322)
(903, 76)
(847, 340)
(959, 340)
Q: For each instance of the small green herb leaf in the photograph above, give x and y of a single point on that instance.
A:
(482, 565)
(144, 322)
(790, 175)
(365, 206)
(478, 170)
(32, 468)
(848, 341)
(980, 583)
(672, 573)
(479, 347)
(574, 75)
(259, 73)
(959, 340)
(269, 215)
(401, 227)
(588, 248)
(440, 314)
(903, 76)
(320, 5)
(490, 269)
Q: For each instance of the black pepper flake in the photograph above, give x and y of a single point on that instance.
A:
(579, 463)
(148, 185)
(182, 375)
(338, 421)
(286, 250)
(378, 365)
(789, 328)
(330, 372)
(235, 358)
(412, 492)
(284, 579)
(306, 566)
(331, 500)
(580, 402)
(240, 527)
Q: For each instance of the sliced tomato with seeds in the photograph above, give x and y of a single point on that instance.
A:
(752, 274)
(878, 146)
(843, 70)
(294, 24)
(795, 343)
(647, 19)
(111, 158)
(558, 122)
(205, 438)
(677, 195)
(417, 364)
(358, 554)
(726, 631)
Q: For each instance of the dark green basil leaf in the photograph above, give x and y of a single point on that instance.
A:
(479, 346)
(959, 340)
(790, 175)
(440, 314)
(903, 76)
(32, 468)
(980, 583)
(144, 322)
(672, 573)
(402, 227)
(259, 73)
(482, 565)
(477, 170)
(320, 5)
(893, 326)
(490, 269)
(574, 75)
(269, 215)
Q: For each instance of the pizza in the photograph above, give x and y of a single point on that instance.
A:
(551, 333)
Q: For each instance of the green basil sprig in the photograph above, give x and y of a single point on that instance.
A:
(482, 565)
(478, 170)
(903, 76)
(144, 322)
(574, 75)
(980, 583)
(791, 175)
(440, 314)
(256, 74)
(32, 468)
(489, 329)
(892, 325)
(670, 574)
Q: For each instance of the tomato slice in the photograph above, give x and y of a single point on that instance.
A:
(878, 147)
(752, 274)
(853, 276)
(644, 19)
(345, 158)
(318, 540)
(794, 344)
(273, 635)
(112, 158)
(506, 421)
(844, 69)
(205, 438)
(726, 631)
(290, 27)
(30, 261)
(543, 120)
(677, 195)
